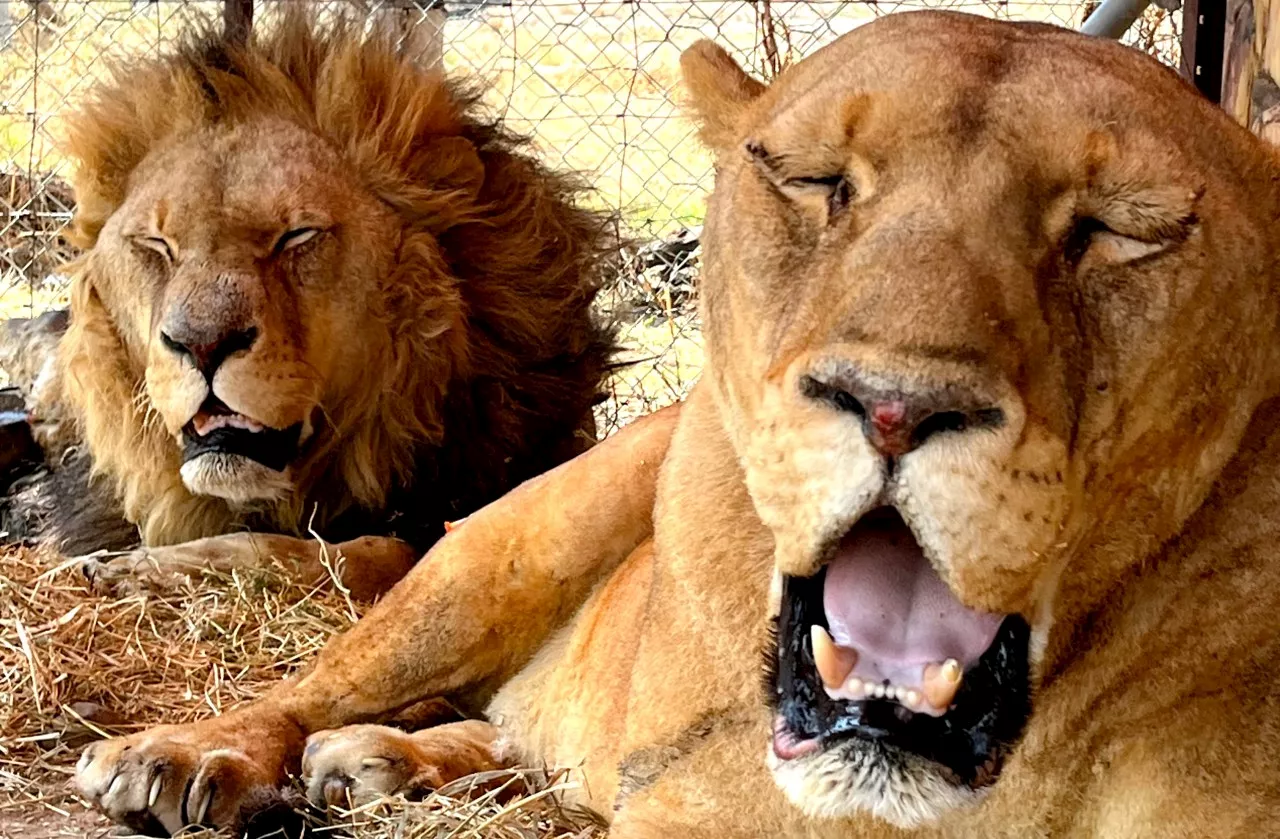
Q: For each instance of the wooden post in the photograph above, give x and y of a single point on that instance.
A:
(237, 20)
(1251, 65)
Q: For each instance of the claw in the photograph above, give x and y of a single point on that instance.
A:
(335, 791)
(202, 810)
(86, 758)
(154, 795)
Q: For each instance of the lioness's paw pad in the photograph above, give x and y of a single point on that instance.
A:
(357, 764)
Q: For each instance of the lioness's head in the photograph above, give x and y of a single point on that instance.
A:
(987, 307)
(300, 253)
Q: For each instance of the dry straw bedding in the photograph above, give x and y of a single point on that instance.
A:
(75, 666)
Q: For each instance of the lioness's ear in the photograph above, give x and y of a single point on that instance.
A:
(719, 91)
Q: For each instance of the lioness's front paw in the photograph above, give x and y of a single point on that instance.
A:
(354, 765)
(126, 573)
(172, 777)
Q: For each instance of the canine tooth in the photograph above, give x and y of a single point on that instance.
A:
(834, 663)
(154, 794)
(941, 681)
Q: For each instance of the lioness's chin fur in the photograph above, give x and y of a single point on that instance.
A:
(859, 778)
(312, 229)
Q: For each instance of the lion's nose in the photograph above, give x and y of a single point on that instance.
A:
(899, 421)
(208, 348)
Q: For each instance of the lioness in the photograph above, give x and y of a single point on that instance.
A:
(991, 327)
(321, 292)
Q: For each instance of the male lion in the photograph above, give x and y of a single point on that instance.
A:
(319, 292)
(993, 363)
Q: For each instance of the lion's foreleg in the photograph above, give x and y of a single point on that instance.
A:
(367, 567)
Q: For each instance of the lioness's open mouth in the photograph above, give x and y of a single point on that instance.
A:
(875, 646)
(216, 429)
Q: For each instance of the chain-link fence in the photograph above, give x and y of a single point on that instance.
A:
(594, 82)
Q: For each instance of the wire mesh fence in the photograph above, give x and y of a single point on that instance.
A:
(593, 82)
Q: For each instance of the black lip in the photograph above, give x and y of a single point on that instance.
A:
(274, 448)
(970, 741)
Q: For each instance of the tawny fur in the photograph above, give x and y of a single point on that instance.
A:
(478, 362)
(611, 614)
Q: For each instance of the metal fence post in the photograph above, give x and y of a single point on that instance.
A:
(1112, 18)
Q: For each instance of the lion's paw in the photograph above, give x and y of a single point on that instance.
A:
(172, 777)
(351, 766)
(128, 573)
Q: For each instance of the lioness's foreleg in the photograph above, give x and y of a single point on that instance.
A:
(465, 619)
(367, 567)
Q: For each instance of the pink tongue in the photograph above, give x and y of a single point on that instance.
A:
(883, 599)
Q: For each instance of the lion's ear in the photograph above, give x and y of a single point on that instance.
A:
(453, 165)
(719, 92)
(447, 174)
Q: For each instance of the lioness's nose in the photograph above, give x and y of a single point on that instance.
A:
(207, 348)
(898, 421)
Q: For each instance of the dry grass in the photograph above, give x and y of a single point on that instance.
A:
(75, 666)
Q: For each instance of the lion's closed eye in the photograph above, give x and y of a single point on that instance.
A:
(1112, 248)
(296, 237)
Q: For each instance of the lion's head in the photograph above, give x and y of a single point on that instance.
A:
(314, 275)
(988, 308)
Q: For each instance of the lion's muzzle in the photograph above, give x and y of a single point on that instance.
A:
(217, 429)
(228, 455)
(239, 430)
